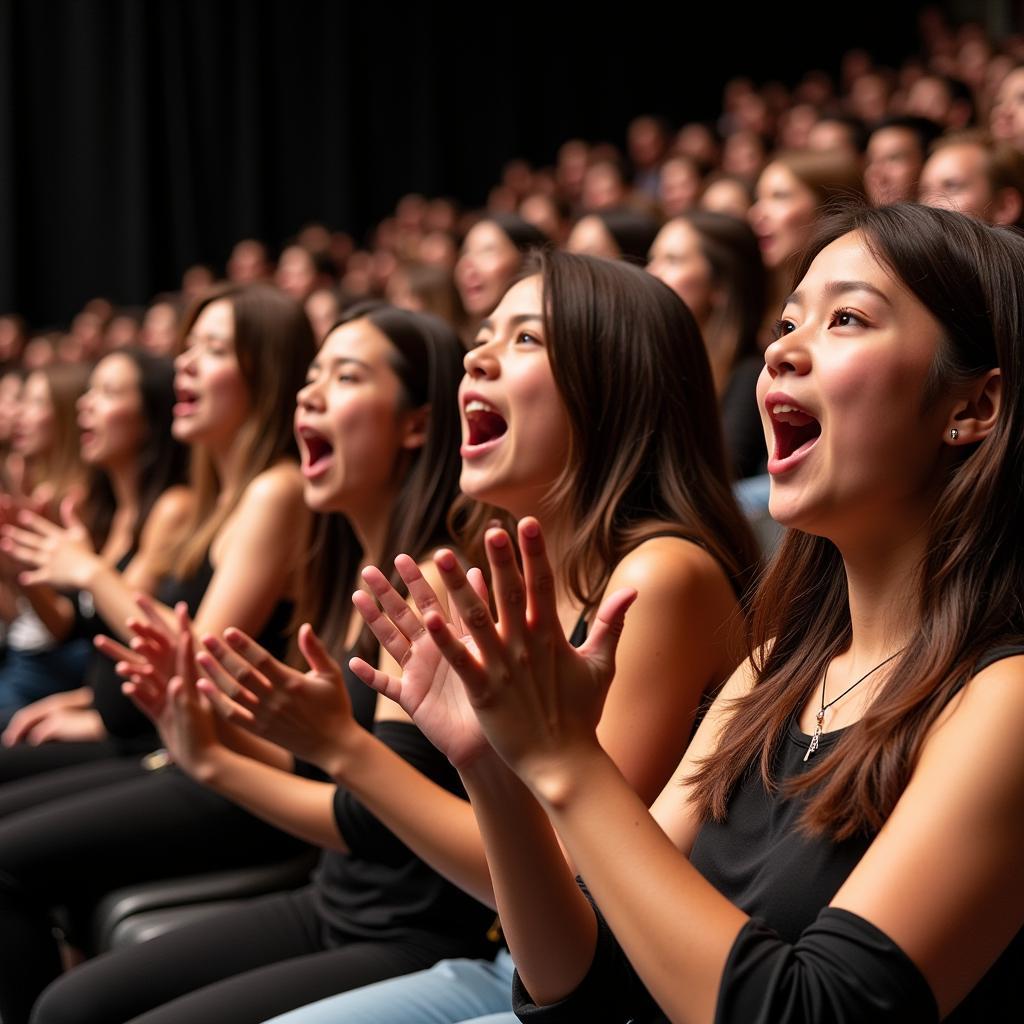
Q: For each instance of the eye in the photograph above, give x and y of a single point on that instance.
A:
(526, 338)
(845, 318)
(781, 327)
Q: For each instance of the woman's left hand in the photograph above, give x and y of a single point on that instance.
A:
(537, 698)
(61, 556)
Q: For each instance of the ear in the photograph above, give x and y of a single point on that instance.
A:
(1007, 206)
(416, 423)
(973, 417)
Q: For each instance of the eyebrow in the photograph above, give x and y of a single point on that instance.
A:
(338, 361)
(836, 288)
(513, 321)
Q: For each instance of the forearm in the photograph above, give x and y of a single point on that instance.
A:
(676, 929)
(303, 807)
(550, 927)
(438, 826)
(243, 742)
(115, 600)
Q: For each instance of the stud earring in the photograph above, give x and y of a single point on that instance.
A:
(953, 433)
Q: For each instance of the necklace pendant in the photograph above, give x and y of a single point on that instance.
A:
(813, 745)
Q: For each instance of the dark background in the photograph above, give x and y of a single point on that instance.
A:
(140, 136)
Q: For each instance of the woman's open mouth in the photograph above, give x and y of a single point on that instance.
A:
(317, 453)
(186, 403)
(485, 428)
(796, 432)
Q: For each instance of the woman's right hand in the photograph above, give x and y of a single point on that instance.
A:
(429, 691)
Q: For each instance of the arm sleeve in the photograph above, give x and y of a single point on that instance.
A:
(842, 969)
(366, 837)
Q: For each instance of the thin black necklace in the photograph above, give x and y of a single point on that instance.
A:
(820, 715)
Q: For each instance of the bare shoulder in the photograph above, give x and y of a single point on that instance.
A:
(669, 566)
(279, 488)
(171, 509)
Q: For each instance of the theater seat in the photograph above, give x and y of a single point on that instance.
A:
(140, 912)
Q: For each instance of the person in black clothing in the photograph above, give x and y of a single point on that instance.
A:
(849, 811)
(377, 425)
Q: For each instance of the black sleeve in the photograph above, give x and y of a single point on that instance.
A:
(365, 836)
(741, 421)
(842, 969)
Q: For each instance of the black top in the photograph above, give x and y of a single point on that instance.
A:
(797, 959)
(128, 727)
(741, 420)
(381, 889)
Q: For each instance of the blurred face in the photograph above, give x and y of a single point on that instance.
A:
(955, 178)
(841, 398)
(679, 187)
(726, 196)
(322, 310)
(10, 392)
(350, 420)
(159, 329)
(212, 394)
(894, 160)
(783, 214)
(488, 262)
(35, 427)
(603, 187)
(678, 260)
(591, 238)
(296, 274)
(1008, 110)
(832, 137)
(110, 414)
(515, 429)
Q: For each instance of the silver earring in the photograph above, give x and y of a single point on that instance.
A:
(953, 433)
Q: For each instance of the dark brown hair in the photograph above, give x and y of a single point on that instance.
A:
(274, 345)
(427, 359)
(970, 277)
(645, 445)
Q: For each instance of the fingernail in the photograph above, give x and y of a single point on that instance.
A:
(499, 539)
(531, 528)
(445, 560)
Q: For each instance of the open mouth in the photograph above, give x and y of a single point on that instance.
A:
(795, 430)
(187, 400)
(317, 452)
(485, 423)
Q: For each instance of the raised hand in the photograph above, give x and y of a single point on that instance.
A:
(536, 697)
(152, 655)
(183, 716)
(427, 689)
(59, 555)
(308, 713)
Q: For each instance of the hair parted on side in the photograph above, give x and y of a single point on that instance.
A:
(274, 345)
(970, 277)
(645, 448)
(427, 359)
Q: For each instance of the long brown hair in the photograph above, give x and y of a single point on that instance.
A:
(645, 447)
(970, 277)
(427, 359)
(61, 466)
(274, 345)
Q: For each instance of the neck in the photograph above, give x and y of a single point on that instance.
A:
(124, 481)
(883, 597)
(227, 461)
(370, 523)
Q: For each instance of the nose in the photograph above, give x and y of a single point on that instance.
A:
(481, 363)
(310, 397)
(787, 354)
(184, 362)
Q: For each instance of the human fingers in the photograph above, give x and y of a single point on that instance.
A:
(116, 651)
(37, 523)
(420, 590)
(604, 635)
(234, 676)
(506, 583)
(223, 706)
(269, 671)
(15, 536)
(388, 635)
(383, 683)
(317, 656)
(542, 609)
(455, 652)
(474, 613)
(401, 615)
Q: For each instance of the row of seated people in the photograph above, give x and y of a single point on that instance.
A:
(759, 774)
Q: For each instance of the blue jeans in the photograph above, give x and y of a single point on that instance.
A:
(27, 676)
(450, 992)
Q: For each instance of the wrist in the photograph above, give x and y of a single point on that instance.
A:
(213, 767)
(348, 749)
(556, 779)
(86, 572)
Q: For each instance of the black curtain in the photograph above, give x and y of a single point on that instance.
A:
(140, 136)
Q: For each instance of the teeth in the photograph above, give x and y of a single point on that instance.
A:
(785, 408)
(475, 405)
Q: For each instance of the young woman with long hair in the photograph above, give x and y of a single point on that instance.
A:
(712, 262)
(246, 350)
(842, 840)
(124, 432)
(565, 411)
(72, 834)
(377, 424)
